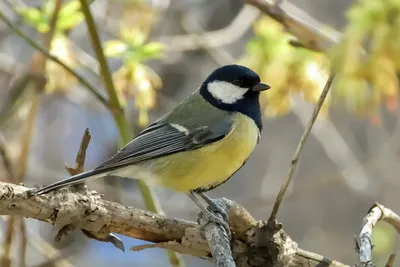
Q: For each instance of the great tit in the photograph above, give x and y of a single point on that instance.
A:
(198, 145)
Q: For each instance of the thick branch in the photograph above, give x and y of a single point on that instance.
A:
(253, 242)
(91, 213)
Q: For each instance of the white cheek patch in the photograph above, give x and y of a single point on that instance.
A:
(226, 92)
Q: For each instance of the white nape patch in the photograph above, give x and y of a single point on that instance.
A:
(180, 128)
(226, 92)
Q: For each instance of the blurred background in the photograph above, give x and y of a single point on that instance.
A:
(159, 51)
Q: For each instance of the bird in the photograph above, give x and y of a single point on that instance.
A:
(196, 146)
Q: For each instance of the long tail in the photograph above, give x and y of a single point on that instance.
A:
(76, 179)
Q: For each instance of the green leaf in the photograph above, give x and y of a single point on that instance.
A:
(255, 46)
(43, 27)
(138, 39)
(32, 16)
(114, 48)
(151, 50)
(70, 9)
(68, 22)
(70, 16)
(133, 38)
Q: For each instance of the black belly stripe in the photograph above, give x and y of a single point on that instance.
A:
(213, 186)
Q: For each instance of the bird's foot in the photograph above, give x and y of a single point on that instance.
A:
(211, 217)
(216, 208)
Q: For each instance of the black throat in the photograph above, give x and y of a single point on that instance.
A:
(249, 105)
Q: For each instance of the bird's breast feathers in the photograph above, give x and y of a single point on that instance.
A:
(203, 168)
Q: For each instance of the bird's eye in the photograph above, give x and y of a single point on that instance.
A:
(237, 82)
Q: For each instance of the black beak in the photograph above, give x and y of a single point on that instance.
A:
(260, 87)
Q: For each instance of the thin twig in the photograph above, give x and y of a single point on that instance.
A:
(149, 196)
(48, 37)
(17, 178)
(390, 261)
(81, 155)
(6, 259)
(24, 242)
(115, 105)
(8, 241)
(23, 165)
(7, 162)
(47, 250)
(21, 92)
(376, 213)
(38, 64)
(222, 57)
(26, 140)
(236, 29)
(79, 168)
(80, 158)
(45, 52)
(299, 148)
(222, 61)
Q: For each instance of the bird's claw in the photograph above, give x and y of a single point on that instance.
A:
(213, 207)
(210, 217)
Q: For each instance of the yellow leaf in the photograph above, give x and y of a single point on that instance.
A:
(114, 48)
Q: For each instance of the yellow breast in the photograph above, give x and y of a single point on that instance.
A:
(208, 166)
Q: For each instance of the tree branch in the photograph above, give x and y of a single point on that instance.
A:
(253, 241)
(218, 240)
(304, 27)
(88, 211)
(299, 148)
(376, 213)
(115, 106)
(81, 155)
(236, 29)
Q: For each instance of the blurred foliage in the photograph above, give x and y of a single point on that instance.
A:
(134, 78)
(366, 63)
(39, 18)
(365, 81)
(138, 14)
(383, 239)
(22, 91)
(286, 68)
(58, 80)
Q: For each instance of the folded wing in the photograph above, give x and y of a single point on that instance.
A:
(162, 139)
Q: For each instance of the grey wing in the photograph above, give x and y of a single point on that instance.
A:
(162, 139)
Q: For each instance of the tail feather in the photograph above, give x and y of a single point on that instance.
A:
(76, 179)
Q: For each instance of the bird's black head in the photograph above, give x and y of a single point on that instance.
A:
(235, 88)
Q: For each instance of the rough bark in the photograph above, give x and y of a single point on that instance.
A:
(254, 243)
